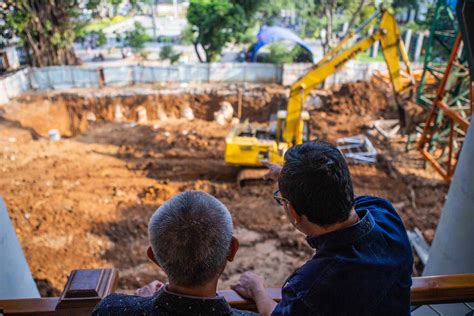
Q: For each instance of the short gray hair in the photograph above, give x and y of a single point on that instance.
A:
(190, 235)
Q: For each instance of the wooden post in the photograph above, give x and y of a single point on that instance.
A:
(83, 291)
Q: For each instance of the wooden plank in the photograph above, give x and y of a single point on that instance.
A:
(30, 306)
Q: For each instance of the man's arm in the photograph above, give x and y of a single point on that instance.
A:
(251, 286)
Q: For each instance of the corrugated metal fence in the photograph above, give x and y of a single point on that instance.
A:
(64, 77)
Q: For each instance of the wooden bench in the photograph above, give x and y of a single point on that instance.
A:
(85, 288)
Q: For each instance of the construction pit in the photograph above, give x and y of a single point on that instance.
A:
(84, 201)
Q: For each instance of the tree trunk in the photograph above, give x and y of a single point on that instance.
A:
(49, 32)
(354, 17)
(195, 44)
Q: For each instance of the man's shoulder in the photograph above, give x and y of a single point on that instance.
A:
(373, 203)
(381, 210)
(124, 304)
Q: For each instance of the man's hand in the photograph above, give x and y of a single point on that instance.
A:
(249, 285)
(273, 170)
(149, 289)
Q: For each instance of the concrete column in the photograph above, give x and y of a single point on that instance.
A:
(15, 276)
(453, 250)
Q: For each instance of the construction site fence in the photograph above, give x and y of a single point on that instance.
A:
(66, 77)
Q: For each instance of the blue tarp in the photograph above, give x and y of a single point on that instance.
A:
(269, 34)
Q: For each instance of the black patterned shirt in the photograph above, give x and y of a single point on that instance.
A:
(165, 303)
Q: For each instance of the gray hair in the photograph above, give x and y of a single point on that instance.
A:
(190, 235)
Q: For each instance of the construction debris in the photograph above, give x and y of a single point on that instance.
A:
(357, 149)
(388, 128)
(54, 134)
(419, 244)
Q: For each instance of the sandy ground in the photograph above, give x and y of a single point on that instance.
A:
(85, 201)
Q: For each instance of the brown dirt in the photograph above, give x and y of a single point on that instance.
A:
(84, 201)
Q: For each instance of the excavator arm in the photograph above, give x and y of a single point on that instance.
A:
(392, 46)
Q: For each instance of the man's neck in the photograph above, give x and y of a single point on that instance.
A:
(207, 290)
(316, 230)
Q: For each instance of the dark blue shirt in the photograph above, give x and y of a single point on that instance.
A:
(364, 269)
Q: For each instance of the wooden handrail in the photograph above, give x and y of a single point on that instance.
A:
(437, 289)
(30, 306)
(83, 290)
(425, 290)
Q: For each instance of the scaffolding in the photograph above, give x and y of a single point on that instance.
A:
(444, 89)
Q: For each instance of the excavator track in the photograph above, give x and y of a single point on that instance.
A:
(248, 177)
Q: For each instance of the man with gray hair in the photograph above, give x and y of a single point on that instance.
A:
(191, 240)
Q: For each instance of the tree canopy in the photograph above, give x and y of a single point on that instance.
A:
(214, 23)
(46, 27)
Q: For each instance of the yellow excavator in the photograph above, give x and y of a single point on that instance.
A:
(247, 146)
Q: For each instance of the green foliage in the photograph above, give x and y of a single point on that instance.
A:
(101, 39)
(168, 53)
(270, 11)
(187, 35)
(280, 53)
(137, 38)
(214, 23)
(46, 28)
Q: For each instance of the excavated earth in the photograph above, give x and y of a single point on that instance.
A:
(85, 201)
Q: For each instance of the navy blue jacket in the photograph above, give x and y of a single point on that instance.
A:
(364, 269)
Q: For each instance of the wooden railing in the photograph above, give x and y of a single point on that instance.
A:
(440, 289)
(85, 288)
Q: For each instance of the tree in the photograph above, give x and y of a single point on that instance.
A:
(137, 38)
(214, 23)
(168, 53)
(46, 28)
(269, 13)
(335, 13)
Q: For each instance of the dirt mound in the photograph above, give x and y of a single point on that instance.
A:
(85, 201)
(349, 110)
(359, 99)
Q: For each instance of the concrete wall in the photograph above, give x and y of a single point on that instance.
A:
(64, 77)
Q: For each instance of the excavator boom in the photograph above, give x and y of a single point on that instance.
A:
(392, 46)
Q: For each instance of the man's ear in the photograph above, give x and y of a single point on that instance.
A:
(234, 246)
(151, 255)
(294, 215)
